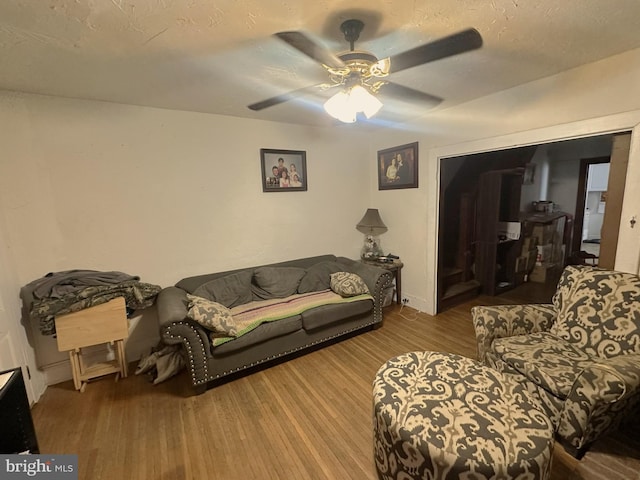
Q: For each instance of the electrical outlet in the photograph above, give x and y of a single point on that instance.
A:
(405, 301)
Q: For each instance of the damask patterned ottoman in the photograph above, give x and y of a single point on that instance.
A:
(443, 416)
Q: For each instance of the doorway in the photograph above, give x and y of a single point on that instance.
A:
(590, 208)
(556, 180)
(463, 251)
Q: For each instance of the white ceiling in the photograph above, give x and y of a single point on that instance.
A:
(218, 56)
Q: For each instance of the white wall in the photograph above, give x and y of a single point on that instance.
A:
(549, 109)
(165, 194)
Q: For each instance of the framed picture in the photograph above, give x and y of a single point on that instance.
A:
(529, 173)
(283, 170)
(398, 167)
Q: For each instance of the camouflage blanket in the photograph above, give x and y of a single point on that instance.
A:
(57, 284)
(137, 295)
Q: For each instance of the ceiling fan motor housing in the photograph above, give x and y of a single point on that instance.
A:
(358, 63)
(351, 29)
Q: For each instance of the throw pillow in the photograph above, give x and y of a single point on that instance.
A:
(318, 277)
(231, 290)
(348, 284)
(276, 282)
(212, 315)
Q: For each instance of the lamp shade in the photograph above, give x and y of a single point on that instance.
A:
(363, 101)
(346, 104)
(339, 107)
(371, 223)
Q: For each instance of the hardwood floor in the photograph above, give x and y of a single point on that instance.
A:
(307, 418)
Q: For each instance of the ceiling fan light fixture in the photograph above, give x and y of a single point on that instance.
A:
(346, 104)
(365, 102)
(339, 107)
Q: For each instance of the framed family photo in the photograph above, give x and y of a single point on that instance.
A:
(283, 170)
(398, 167)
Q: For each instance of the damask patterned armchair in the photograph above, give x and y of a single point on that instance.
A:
(580, 355)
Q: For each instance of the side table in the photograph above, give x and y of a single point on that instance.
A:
(104, 323)
(395, 268)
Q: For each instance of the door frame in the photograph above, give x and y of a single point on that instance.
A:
(14, 339)
(628, 251)
(578, 220)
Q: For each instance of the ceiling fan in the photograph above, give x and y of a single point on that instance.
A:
(361, 75)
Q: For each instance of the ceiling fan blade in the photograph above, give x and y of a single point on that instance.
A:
(304, 44)
(411, 94)
(460, 42)
(284, 97)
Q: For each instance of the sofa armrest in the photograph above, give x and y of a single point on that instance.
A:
(176, 328)
(598, 399)
(172, 305)
(499, 321)
(377, 280)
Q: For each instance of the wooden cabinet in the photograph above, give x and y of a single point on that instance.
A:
(496, 254)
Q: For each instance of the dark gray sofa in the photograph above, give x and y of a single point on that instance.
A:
(272, 340)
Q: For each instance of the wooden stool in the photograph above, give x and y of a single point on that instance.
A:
(105, 323)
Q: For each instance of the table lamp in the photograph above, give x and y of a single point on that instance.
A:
(372, 226)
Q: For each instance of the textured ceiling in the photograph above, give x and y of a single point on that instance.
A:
(219, 56)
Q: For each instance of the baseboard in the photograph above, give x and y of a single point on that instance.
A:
(57, 372)
(416, 303)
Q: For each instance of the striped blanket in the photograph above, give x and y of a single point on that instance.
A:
(251, 315)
